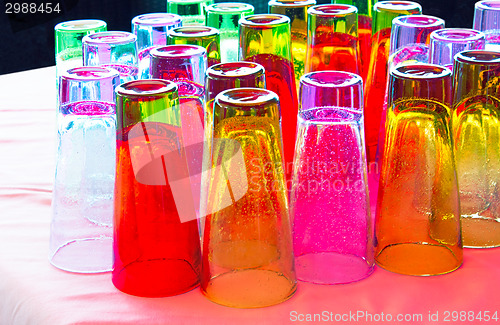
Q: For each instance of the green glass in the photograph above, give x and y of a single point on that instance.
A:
(225, 16)
(296, 10)
(192, 11)
(207, 37)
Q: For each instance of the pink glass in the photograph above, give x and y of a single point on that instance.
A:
(332, 228)
(487, 20)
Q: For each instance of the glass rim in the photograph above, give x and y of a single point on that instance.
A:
(351, 79)
(157, 88)
(431, 21)
(187, 2)
(229, 7)
(304, 118)
(231, 70)
(471, 57)
(156, 19)
(486, 5)
(291, 3)
(193, 31)
(178, 51)
(109, 37)
(468, 33)
(248, 97)
(420, 71)
(89, 73)
(80, 25)
(396, 6)
(338, 10)
(271, 20)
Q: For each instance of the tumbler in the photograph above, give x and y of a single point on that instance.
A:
(82, 199)
(447, 42)
(265, 39)
(224, 17)
(247, 246)
(192, 11)
(417, 224)
(151, 30)
(332, 38)
(329, 204)
(365, 9)
(487, 20)
(203, 36)
(376, 81)
(117, 50)
(296, 10)
(476, 132)
(156, 242)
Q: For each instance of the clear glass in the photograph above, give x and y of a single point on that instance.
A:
(332, 42)
(207, 37)
(156, 239)
(447, 42)
(151, 30)
(476, 133)
(192, 11)
(82, 198)
(224, 17)
(117, 50)
(487, 20)
(330, 187)
(247, 244)
(266, 39)
(417, 224)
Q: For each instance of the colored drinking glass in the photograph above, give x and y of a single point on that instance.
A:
(207, 37)
(487, 20)
(192, 11)
(476, 132)
(224, 17)
(82, 199)
(417, 224)
(156, 241)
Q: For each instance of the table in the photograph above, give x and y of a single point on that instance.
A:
(34, 292)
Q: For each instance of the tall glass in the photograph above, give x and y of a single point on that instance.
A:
(476, 132)
(117, 50)
(156, 240)
(376, 82)
(330, 189)
(224, 17)
(82, 199)
(207, 37)
(417, 225)
(296, 10)
(487, 20)
(332, 42)
(192, 11)
(151, 30)
(266, 39)
(247, 244)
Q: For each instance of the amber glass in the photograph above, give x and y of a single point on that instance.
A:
(266, 39)
(376, 81)
(476, 135)
(417, 224)
(296, 10)
(203, 36)
(247, 244)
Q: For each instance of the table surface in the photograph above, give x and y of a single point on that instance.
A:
(34, 292)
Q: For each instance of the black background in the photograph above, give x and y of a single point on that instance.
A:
(27, 40)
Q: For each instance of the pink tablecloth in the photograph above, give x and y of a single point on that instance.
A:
(34, 292)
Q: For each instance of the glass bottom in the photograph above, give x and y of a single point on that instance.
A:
(418, 258)
(480, 232)
(250, 288)
(88, 255)
(332, 268)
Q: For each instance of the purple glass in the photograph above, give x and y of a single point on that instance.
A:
(117, 50)
(332, 228)
(487, 20)
(151, 30)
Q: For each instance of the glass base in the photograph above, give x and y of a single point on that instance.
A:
(480, 232)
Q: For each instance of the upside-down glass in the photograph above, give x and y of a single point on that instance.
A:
(476, 133)
(207, 37)
(192, 11)
(487, 20)
(247, 244)
(266, 39)
(156, 241)
(332, 38)
(117, 50)
(151, 30)
(376, 81)
(447, 42)
(365, 9)
(417, 224)
(82, 200)
(330, 190)
(224, 17)
(296, 10)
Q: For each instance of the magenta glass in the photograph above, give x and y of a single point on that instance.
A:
(445, 43)
(332, 228)
(117, 50)
(151, 30)
(487, 20)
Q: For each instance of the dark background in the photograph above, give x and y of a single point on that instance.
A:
(27, 40)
